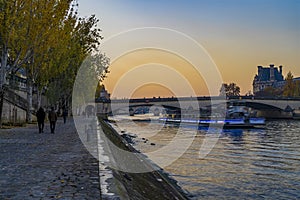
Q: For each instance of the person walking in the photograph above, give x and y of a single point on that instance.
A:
(65, 114)
(52, 118)
(40, 115)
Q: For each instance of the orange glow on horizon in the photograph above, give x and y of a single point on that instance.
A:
(153, 90)
(176, 71)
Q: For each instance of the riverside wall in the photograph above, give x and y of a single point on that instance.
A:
(13, 114)
(155, 184)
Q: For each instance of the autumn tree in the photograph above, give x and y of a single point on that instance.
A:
(15, 50)
(83, 52)
(289, 87)
(48, 39)
(14, 47)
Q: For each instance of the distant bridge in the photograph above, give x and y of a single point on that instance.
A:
(267, 107)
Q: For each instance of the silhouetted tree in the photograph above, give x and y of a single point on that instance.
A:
(230, 90)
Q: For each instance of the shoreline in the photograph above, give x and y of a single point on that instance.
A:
(155, 184)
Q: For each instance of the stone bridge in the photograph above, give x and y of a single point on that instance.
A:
(266, 107)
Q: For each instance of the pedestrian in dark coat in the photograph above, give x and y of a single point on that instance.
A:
(52, 118)
(65, 114)
(40, 115)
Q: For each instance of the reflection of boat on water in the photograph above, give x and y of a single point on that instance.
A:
(236, 117)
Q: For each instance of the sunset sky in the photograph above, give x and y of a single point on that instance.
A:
(238, 35)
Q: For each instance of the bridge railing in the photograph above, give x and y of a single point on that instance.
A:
(264, 98)
(201, 98)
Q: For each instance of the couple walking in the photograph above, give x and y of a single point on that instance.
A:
(52, 116)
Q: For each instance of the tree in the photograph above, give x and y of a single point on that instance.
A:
(83, 50)
(297, 89)
(48, 36)
(223, 89)
(289, 87)
(92, 71)
(14, 48)
(48, 39)
(230, 90)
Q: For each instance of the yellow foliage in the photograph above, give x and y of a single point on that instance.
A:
(289, 87)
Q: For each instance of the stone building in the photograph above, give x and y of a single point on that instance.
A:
(15, 99)
(270, 76)
(104, 95)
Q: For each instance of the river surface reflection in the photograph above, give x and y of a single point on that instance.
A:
(244, 164)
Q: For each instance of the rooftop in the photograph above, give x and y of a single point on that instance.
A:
(264, 73)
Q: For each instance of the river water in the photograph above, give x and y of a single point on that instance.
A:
(243, 164)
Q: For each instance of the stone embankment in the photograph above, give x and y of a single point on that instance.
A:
(151, 183)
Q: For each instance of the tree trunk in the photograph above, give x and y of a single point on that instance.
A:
(39, 97)
(1, 105)
(4, 57)
(29, 100)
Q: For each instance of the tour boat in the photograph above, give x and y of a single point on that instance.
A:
(236, 117)
(222, 123)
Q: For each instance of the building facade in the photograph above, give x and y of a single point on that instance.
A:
(104, 95)
(270, 76)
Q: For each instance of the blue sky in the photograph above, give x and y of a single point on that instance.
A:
(264, 14)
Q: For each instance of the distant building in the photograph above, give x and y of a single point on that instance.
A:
(297, 79)
(104, 95)
(17, 81)
(268, 77)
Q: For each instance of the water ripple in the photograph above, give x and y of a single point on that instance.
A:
(244, 164)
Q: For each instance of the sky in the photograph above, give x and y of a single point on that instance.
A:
(235, 35)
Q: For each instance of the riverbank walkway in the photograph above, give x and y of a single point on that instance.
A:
(46, 166)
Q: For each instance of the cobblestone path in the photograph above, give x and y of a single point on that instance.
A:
(46, 166)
